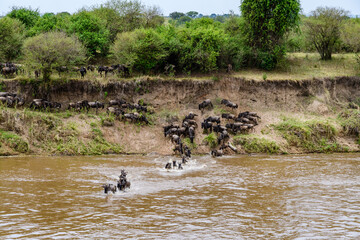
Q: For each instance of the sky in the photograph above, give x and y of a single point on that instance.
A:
(205, 7)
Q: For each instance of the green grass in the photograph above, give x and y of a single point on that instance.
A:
(255, 144)
(14, 141)
(168, 115)
(350, 121)
(311, 136)
(295, 66)
(211, 140)
(188, 143)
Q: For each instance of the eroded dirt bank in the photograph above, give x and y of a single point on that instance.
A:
(303, 116)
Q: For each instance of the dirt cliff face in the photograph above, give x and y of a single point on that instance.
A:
(311, 99)
(268, 94)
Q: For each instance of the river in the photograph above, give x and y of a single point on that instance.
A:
(242, 197)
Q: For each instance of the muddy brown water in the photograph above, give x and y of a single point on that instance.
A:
(243, 197)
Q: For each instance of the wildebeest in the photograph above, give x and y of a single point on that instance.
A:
(168, 165)
(109, 188)
(61, 69)
(123, 70)
(102, 69)
(123, 183)
(116, 111)
(6, 71)
(179, 148)
(187, 152)
(96, 105)
(213, 119)
(228, 116)
(43, 104)
(217, 153)
(191, 134)
(136, 117)
(224, 136)
(82, 71)
(205, 104)
(175, 139)
(190, 116)
(229, 104)
(207, 125)
(117, 102)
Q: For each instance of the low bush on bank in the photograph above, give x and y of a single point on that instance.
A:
(211, 140)
(14, 141)
(311, 136)
(255, 144)
(350, 122)
(47, 132)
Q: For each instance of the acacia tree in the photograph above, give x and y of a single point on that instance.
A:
(266, 23)
(323, 29)
(11, 38)
(49, 50)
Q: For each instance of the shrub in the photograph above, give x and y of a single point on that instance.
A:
(254, 144)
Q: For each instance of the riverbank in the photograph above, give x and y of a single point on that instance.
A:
(305, 116)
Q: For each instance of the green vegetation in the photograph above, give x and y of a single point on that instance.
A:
(188, 143)
(255, 144)
(266, 23)
(265, 36)
(55, 50)
(211, 140)
(311, 136)
(53, 133)
(14, 141)
(323, 29)
(350, 122)
(11, 38)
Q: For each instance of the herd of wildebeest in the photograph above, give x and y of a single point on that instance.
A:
(243, 122)
(119, 108)
(10, 69)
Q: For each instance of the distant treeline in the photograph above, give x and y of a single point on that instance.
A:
(140, 37)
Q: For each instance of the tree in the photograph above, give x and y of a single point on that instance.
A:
(11, 38)
(50, 22)
(142, 49)
(130, 12)
(92, 33)
(266, 23)
(323, 29)
(176, 15)
(49, 50)
(27, 16)
(192, 14)
(153, 17)
(350, 35)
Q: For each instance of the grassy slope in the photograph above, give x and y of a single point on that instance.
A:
(296, 66)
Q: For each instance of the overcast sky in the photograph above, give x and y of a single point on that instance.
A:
(205, 7)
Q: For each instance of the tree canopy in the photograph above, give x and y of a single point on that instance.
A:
(56, 49)
(324, 29)
(267, 22)
(11, 38)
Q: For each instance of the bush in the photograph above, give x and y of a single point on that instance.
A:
(312, 136)
(266, 23)
(254, 144)
(14, 141)
(211, 140)
(142, 49)
(11, 38)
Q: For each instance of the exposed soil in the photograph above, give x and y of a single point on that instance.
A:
(311, 99)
